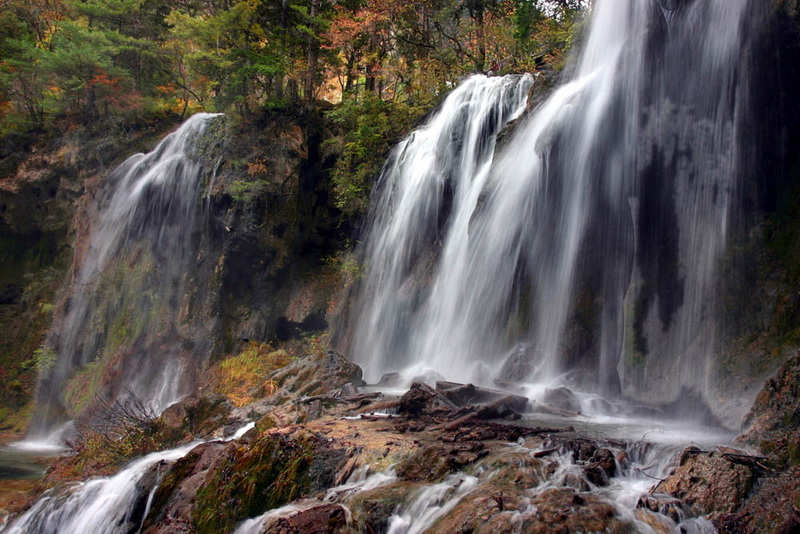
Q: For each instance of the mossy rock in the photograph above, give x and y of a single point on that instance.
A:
(432, 464)
(372, 509)
(274, 469)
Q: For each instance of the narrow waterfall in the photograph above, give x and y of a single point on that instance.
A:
(121, 325)
(585, 250)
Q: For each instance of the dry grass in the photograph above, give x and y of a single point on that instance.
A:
(243, 378)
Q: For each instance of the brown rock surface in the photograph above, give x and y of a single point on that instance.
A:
(773, 424)
(322, 519)
(708, 482)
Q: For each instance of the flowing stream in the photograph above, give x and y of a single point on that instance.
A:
(585, 249)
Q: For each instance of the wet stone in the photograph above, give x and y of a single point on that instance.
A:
(708, 482)
(323, 519)
(562, 398)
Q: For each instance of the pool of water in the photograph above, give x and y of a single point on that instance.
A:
(16, 464)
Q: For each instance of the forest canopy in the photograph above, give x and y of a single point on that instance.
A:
(83, 60)
(113, 65)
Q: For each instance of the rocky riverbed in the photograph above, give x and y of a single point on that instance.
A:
(324, 456)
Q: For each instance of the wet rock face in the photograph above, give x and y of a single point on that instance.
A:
(774, 421)
(775, 508)
(708, 482)
(372, 509)
(562, 398)
(174, 501)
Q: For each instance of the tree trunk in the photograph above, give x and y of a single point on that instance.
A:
(313, 51)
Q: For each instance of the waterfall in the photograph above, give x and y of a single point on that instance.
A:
(429, 189)
(121, 327)
(585, 248)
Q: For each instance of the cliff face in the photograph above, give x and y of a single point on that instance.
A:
(42, 187)
(262, 267)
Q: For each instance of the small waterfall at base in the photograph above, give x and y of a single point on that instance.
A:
(121, 324)
(102, 505)
(586, 249)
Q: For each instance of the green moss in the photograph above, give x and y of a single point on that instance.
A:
(83, 387)
(179, 471)
(635, 345)
(269, 473)
(42, 359)
(794, 453)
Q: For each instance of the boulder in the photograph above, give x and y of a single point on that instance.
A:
(518, 365)
(372, 508)
(565, 510)
(391, 380)
(708, 482)
(562, 398)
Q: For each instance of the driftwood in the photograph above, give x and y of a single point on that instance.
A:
(421, 399)
(475, 430)
(467, 394)
(379, 416)
(339, 400)
(545, 452)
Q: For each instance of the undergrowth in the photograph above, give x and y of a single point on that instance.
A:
(242, 378)
(268, 473)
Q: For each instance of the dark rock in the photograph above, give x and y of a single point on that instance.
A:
(665, 505)
(391, 380)
(373, 508)
(596, 475)
(421, 398)
(562, 398)
(174, 501)
(10, 293)
(518, 365)
(606, 461)
(199, 416)
(343, 370)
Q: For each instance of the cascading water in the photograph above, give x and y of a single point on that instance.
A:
(103, 505)
(122, 322)
(589, 244)
(428, 192)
